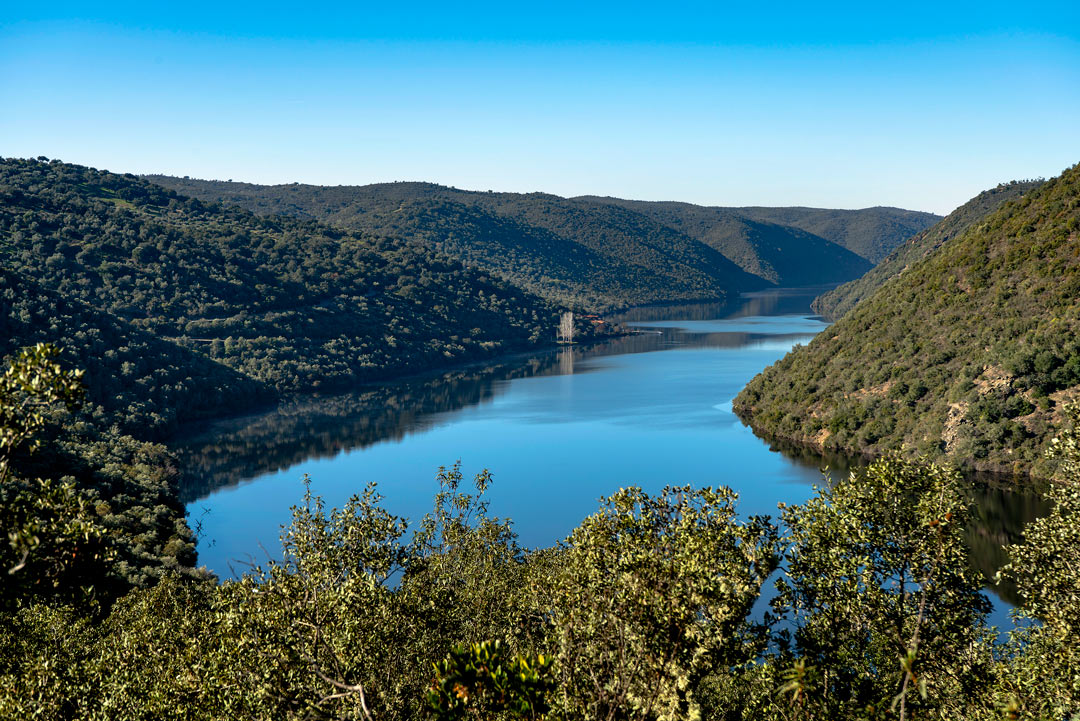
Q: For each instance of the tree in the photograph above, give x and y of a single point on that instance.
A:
(649, 595)
(32, 384)
(54, 540)
(483, 679)
(881, 594)
(1043, 679)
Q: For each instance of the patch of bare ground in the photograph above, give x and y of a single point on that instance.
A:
(818, 439)
(956, 418)
(993, 378)
(880, 391)
(1062, 398)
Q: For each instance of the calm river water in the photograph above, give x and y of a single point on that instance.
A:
(557, 430)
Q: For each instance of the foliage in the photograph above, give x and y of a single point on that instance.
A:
(643, 612)
(483, 679)
(254, 304)
(969, 355)
(31, 383)
(839, 301)
(650, 594)
(878, 571)
(87, 513)
(1044, 675)
(54, 545)
(144, 384)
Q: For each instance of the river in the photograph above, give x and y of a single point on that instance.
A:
(557, 430)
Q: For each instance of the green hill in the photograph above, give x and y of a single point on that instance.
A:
(587, 252)
(285, 303)
(872, 233)
(142, 383)
(969, 354)
(840, 300)
(586, 255)
(781, 254)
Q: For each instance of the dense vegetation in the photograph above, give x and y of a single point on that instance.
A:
(872, 233)
(969, 354)
(186, 308)
(780, 254)
(143, 383)
(580, 254)
(838, 301)
(108, 501)
(584, 252)
(643, 612)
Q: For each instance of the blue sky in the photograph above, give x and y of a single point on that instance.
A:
(914, 105)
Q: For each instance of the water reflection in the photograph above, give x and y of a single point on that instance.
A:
(559, 428)
(1001, 509)
(232, 451)
(1000, 516)
(771, 302)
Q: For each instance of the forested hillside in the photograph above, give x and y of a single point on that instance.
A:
(179, 310)
(781, 254)
(582, 254)
(870, 232)
(969, 354)
(250, 303)
(586, 252)
(838, 301)
(142, 383)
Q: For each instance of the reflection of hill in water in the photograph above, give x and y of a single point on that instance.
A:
(1000, 516)
(776, 301)
(1001, 509)
(230, 451)
(235, 450)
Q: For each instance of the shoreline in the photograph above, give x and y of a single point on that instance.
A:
(991, 477)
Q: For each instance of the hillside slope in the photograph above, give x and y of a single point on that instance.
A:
(146, 385)
(969, 354)
(872, 233)
(289, 304)
(590, 252)
(838, 301)
(591, 256)
(783, 255)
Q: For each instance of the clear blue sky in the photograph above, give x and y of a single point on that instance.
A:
(841, 105)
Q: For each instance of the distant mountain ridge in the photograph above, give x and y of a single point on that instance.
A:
(970, 354)
(781, 254)
(870, 232)
(586, 252)
(584, 256)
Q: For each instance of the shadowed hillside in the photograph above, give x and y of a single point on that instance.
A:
(587, 252)
(583, 254)
(782, 254)
(870, 232)
(288, 304)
